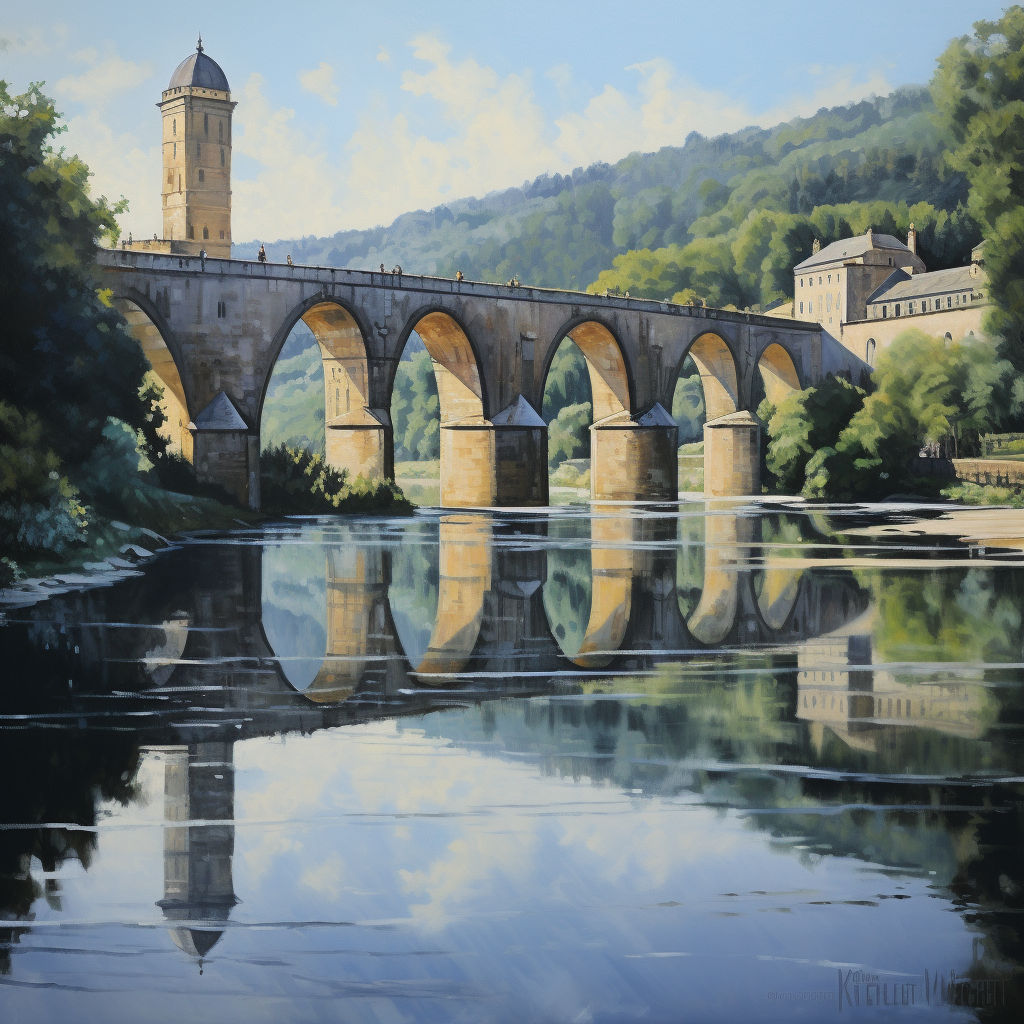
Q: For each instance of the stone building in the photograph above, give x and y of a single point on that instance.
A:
(862, 290)
(196, 109)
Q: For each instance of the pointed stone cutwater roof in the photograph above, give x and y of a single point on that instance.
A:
(656, 416)
(519, 414)
(220, 414)
(199, 71)
(741, 418)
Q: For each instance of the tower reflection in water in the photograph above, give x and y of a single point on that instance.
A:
(199, 842)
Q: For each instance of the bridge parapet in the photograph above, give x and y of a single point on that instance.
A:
(224, 323)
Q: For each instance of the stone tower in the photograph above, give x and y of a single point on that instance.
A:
(196, 108)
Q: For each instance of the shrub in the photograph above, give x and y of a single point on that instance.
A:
(296, 481)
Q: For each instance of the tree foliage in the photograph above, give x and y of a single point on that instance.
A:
(926, 390)
(567, 405)
(68, 365)
(415, 407)
(804, 423)
(978, 91)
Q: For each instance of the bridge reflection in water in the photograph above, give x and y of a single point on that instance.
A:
(708, 656)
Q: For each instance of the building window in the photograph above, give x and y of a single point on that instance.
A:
(885, 312)
(896, 310)
(174, 127)
(838, 297)
(202, 174)
(222, 310)
(206, 232)
(199, 150)
(819, 279)
(337, 401)
(949, 302)
(175, 151)
(869, 353)
(828, 303)
(801, 307)
(206, 124)
(949, 337)
(220, 131)
(179, 182)
(910, 308)
(890, 261)
(222, 234)
(222, 156)
(191, 231)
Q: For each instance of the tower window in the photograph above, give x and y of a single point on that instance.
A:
(222, 234)
(202, 174)
(175, 151)
(179, 182)
(220, 131)
(206, 124)
(206, 232)
(222, 310)
(222, 156)
(199, 149)
(174, 126)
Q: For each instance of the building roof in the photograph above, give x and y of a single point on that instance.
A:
(900, 285)
(851, 248)
(200, 71)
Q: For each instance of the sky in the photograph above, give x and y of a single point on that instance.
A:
(351, 114)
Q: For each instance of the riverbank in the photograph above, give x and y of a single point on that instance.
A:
(113, 549)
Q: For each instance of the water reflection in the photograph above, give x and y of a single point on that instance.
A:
(198, 889)
(591, 739)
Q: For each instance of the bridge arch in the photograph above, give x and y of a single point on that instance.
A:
(150, 329)
(355, 436)
(778, 372)
(716, 365)
(468, 457)
(611, 382)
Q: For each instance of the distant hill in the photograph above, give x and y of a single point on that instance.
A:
(563, 231)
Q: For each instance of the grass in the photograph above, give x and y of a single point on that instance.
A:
(691, 467)
(983, 494)
(426, 469)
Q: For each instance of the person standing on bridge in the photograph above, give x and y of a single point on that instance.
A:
(262, 254)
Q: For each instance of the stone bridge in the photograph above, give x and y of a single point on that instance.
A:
(213, 330)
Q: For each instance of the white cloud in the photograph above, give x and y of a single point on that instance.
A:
(36, 42)
(383, 56)
(120, 166)
(320, 82)
(491, 133)
(103, 80)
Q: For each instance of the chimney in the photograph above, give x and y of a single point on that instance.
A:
(816, 248)
(912, 240)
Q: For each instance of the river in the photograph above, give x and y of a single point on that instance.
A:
(590, 764)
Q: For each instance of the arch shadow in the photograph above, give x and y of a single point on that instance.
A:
(612, 386)
(150, 329)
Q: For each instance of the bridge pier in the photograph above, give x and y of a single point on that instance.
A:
(226, 452)
(362, 444)
(501, 462)
(732, 455)
(634, 459)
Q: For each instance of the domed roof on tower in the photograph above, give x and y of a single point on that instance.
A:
(200, 71)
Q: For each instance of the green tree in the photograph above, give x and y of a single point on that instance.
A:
(925, 390)
(979, 93)
(67, 361)
(806, 422)
(415, 409)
